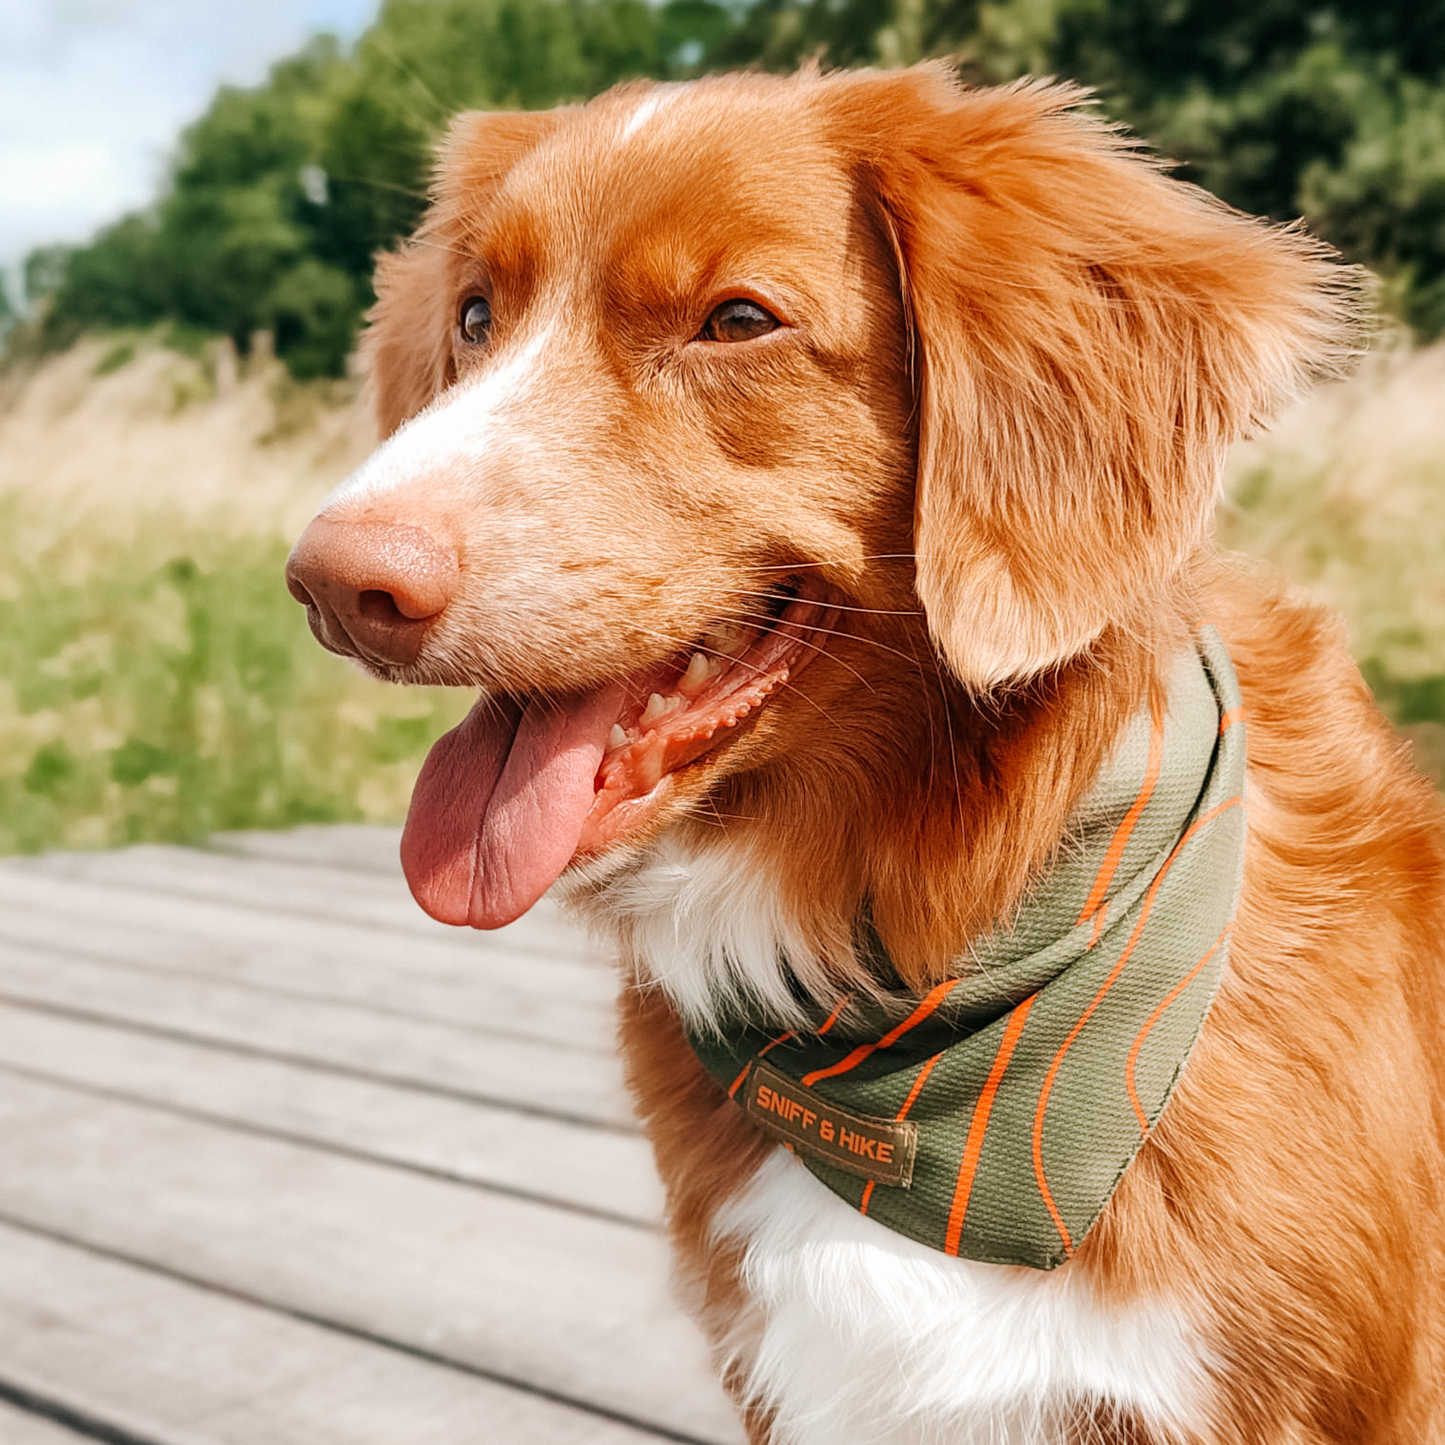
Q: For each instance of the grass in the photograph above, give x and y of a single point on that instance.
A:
(118, 356)
(1347, 496)
(158, 683)
(170, 688)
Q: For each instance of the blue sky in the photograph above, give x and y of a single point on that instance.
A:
(93, 94)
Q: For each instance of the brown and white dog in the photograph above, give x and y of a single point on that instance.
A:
(814, 476)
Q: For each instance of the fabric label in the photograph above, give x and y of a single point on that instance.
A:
(879, 1149)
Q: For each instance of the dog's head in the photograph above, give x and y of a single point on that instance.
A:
(696, 386)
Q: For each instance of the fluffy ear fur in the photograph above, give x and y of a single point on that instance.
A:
(1091, 337)
(407, 349)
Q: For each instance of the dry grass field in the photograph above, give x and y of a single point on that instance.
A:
(156, 682)
(1347, 496)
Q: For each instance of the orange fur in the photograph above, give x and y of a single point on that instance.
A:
(1015, 354)
(1293, 1177)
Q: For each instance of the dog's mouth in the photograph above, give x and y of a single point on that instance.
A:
(525, 786)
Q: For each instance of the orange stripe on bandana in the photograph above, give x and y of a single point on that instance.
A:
(1094, 905)
(822, 1029)
(862, 1052)
(978, 1126)
(1153, 1019)
(1057, 1064)
(900, 1116)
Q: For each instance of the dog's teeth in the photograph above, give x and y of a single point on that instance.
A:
(700, 671)
(727, 639)
(617, 738)
(658, 707)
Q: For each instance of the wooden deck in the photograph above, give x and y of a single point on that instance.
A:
(282, 1162)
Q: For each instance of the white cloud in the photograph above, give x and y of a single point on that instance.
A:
(93, 94)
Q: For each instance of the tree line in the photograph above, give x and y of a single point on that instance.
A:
(279, 196)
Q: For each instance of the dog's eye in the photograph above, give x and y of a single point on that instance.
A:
(476, 318)
(738, 321)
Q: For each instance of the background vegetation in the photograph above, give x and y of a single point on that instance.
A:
(155, 679)
(168, 693)
(280, 196)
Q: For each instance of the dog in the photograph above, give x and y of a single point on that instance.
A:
(1032, 934)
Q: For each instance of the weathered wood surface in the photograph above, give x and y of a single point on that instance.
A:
(286, 1163)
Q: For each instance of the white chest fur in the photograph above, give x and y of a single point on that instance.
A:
(856, 1335)
(862, 1337)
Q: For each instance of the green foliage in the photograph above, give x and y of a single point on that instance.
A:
(313, 309)
(118, 355)
(373, 157)
(281, 196)
(1148, 52)
(153, 694)
(1330, 112)
(1383, 202)
(44, 271)
(781, 34)
(1252, 146)
(8, 316)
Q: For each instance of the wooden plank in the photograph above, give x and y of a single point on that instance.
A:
(575, 1306)
(172, 1364)
(465, 978)
(570, 1164)
(316, 890)
(20, 1427)
(517, 1072)
(362, 847)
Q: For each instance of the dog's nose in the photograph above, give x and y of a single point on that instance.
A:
(371, 589)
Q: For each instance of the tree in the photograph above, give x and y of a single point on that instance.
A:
(281, 196)
(1384, 201)
(8, 314)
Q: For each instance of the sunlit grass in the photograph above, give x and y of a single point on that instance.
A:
(1347, 497)
(170, 688)
(157, 682)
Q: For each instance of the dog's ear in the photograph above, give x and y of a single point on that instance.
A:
(1091, 335)
(407, 348)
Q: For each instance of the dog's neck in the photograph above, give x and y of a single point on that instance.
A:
(952, 856)
(898, 1090)
(744, 906)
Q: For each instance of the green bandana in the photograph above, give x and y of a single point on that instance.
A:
(994, 1117)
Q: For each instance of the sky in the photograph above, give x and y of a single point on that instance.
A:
(94, 93)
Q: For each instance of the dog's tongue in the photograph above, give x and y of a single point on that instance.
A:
(498, 810)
